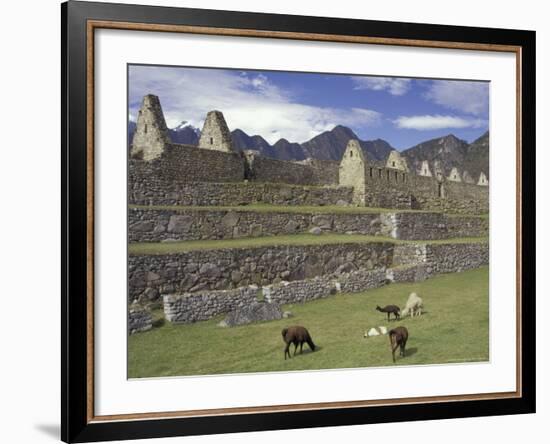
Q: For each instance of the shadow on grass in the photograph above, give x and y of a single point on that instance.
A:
(159, 322)
(305, 352)
(410, 351)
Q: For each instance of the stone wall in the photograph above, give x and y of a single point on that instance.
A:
(204, 305)
(200, 306)
(311, 172)
(152, 225)
(139, 320)
(323, 286)
(406, 273)
(441, 258)
(147, 225)
(150, 191)
(434, 226)
(323, 171)
(182, 164)
(454, 258)
(413, 262)
(193, 271)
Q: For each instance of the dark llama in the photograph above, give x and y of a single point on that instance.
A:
(389, 309)
(296, 335)
(398, 338)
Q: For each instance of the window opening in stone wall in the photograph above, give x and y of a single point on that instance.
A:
(404, 177)
(396, 174)
(351, 154)
(388, 175)
(370, 172)
(145, 128)
(393, 164)
(211, 141)
(440, 190)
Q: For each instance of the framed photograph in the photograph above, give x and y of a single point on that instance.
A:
(275, 221)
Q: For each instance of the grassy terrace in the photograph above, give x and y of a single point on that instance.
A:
(141, 248)
(455, 328)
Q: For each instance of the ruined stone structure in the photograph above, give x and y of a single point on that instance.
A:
(160, 172)
(483, 181)
(375, 186)
(438, 171)
(424, 169)
(396, 161)
(312, 172)
(352, 171)
(466, 178)
(402, 263)
(215, 134)
(454, 175)
(151, 136)
(181, 192)
(161, 225)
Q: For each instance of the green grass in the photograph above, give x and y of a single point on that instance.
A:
(141, 248)
(454, 329)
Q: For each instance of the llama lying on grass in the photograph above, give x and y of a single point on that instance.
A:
(296, 335)
(389, 309)
(414, 306)
(376, 332)
(398, 339)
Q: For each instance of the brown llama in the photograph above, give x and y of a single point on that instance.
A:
(398, 339)
(389, 309)
(296, 335)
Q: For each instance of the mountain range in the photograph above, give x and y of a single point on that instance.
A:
(449, 151)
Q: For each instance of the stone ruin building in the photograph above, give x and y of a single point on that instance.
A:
(424, 169)
(215, 134)
(352, 171)
(454, 175)
(169, 182)
(483, 181)
(396, 161)
(151, 136)
(215, 160)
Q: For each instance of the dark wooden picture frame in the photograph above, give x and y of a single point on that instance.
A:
(79, 21)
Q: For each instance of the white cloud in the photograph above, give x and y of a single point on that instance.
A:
(395, 86)
(459, 95)
(249, 102)
(425, 123)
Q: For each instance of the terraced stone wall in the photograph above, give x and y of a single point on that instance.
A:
(146, 225)
(150, 225)
(154, 191)
(194, 271)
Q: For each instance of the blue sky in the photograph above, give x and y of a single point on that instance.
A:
(298, 106)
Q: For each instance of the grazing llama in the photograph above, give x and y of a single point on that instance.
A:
(389, 309)
(296, 335)
(398, 339)
(414, 306)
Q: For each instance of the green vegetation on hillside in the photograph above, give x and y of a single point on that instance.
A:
(454, 329)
